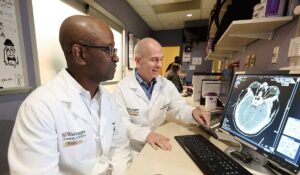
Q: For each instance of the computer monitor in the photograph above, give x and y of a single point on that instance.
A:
(263, 113)
(208, 86)
(197, 83)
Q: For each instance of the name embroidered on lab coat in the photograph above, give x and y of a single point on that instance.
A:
(73, 138)
(133, 112)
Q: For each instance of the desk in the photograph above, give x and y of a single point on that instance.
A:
(176, 161)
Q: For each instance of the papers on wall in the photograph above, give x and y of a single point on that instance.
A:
(197, 60)
(186, 57)
(294, 49)
(192, 67)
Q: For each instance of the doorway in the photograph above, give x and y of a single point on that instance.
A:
(169, 55)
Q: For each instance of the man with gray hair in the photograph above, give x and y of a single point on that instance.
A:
(145, 97)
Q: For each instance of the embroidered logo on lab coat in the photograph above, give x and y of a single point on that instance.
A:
(133, 112)
(73, 138)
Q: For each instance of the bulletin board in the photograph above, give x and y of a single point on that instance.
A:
(12, 46)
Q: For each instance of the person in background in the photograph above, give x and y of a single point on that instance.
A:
(177, 60)
(145, 97)
(182, 75)
(173, 76)
(72, 125)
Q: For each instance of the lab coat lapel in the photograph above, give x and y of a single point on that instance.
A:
(136, 87)
(106, 123)
(79, 109)
(157, 89)
(69, 95)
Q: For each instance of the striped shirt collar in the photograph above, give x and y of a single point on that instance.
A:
(147, 87)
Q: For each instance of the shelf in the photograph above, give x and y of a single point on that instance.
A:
(219, 54)
(243, 32)
(17, 90)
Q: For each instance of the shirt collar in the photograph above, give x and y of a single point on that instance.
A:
(141, 81)
(79, 89)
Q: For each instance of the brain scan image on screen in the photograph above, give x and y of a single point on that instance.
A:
(256, 107)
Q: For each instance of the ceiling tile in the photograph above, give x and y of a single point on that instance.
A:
(153, 22)
(175, 16)
(208, 4)
(179, 6)
(156, 26)
(176, 20)
(155, 2)
(150, 18)
(170, 20)
(137, 2)
(144, 10)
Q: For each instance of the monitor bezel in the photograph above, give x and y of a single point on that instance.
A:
(271, 157)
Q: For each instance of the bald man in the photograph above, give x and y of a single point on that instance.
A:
(71, 125)
(145, 97)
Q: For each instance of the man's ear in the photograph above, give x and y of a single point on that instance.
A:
(78, 54)
(137, 60)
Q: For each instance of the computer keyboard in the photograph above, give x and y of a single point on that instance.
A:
(210, 159)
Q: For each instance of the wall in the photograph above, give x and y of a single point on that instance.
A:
(125, 13)
(264, 48)
(168, 37)
(198, 50)
(9, 104)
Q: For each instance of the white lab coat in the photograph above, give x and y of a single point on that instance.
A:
(144, 115)
(54, 134)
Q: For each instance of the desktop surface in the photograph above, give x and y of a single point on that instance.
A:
(176, 161)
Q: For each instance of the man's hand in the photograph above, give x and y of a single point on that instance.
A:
(156, 140)
(202, 117)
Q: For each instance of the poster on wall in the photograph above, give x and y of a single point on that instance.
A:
(192, 67)
(186, 57)
(132, 40)
(197, 60)
(11, 70)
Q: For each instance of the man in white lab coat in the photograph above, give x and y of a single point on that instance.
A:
(145, 97)
(71, 125)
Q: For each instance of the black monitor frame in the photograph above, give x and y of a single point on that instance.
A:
(272, 157)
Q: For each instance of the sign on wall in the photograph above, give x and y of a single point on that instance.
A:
(11, 68)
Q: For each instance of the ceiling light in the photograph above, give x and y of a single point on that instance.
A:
(189, 15)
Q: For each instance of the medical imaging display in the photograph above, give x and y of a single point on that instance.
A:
(256, 107)
(263, 111)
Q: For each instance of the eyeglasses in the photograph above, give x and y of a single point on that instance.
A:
(110, 50)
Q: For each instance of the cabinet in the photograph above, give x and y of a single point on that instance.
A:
(243, 32)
